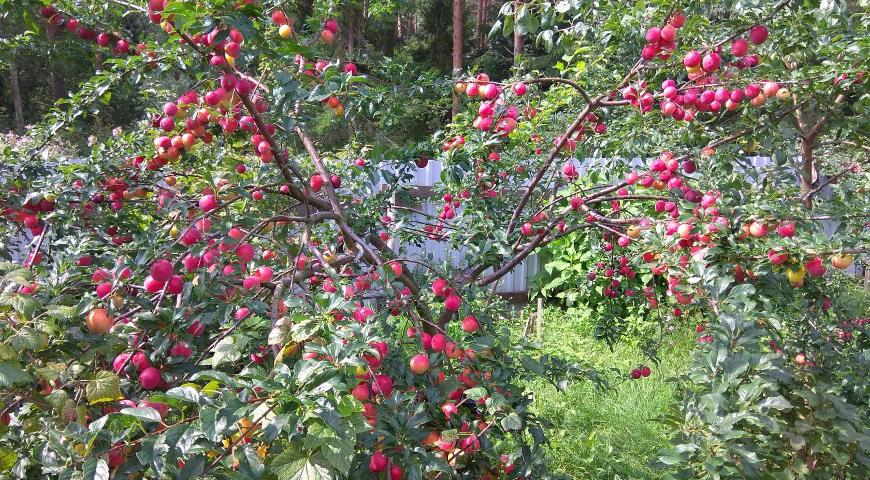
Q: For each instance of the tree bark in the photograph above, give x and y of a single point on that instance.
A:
(57, 88)
(18, 110)
(808, 170)
(457, 49)
(519, 40)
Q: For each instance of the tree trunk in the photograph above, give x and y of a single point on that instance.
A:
(350, 29)
(457, 48)
(519, 40)
(808, 170)
(57, 89)
(18, 111)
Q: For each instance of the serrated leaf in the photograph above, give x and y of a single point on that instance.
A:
(106, 387)
(511, 422)
(29, 339)
(475, 393)
(21, 276)
(291, 464)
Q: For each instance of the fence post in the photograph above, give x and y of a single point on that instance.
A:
(539, 326)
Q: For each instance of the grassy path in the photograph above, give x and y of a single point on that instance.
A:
(613, 434)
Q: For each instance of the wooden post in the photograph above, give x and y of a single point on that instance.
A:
(457, 49)
(539, 325)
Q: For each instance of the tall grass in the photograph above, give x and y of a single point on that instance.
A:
(611, 434)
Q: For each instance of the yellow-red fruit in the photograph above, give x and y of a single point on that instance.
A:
(842, 261)
(98, 321)
(285, 31)
(326, 36)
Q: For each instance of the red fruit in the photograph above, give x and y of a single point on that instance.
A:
(151, 285)
(331, 25)
(420, 364)
(316, 182)
(397, 268)
(378, 463)
(140, 361)
(469, 324)
(711, 62)
(326, 36)
(520, 89)
(635, 374)
(196, 328)
(119, 362)
(692, 59)
(527, 229)
(361, 392)
(449, 409)
(569, 171)
(800, 359)
(265, 273)
(668, 33)
(251, 282)
(150, 378)
(383, 384)
(103, 39)
(438, 287)
(653, 35)
(117, 455)
(739, 47)
(180, 349)
(758, 229)
(208, 203)
(645, 371)
(161, 270)
(103, 290)
(396, 473)
(758, 34)
(175, 285)
(777, 257)
(785, 229)
(438, 342)
(649, 52)
(279, 17)
(452, 302)
(301, 261)
(351, 69)
(815, 267)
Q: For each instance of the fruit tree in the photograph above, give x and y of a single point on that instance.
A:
(220, 292)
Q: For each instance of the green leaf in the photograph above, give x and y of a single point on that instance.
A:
(147, 414)
(291, 464)
(511, 422)
(29, 339)
(106, 387)
(475, 393)
(7, 459)
(184, 393)
(193, 468)
(95, 469)
(777, 403)
(21, 276)
(11, 374)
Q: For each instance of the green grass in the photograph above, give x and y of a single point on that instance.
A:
(607, 434)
